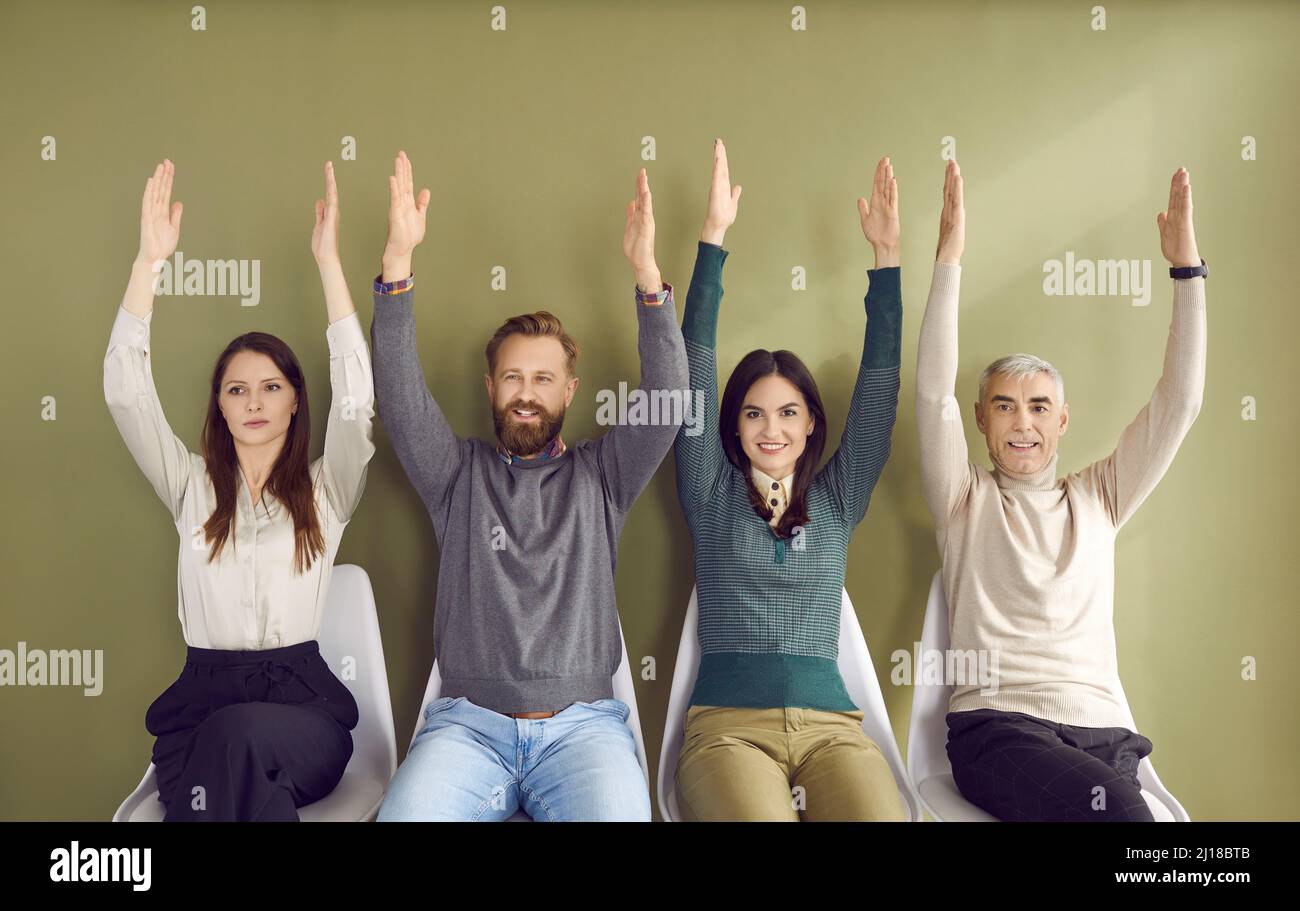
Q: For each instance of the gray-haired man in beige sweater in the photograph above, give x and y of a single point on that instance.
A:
(1029, 558)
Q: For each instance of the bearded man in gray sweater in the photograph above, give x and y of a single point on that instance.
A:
(526, 631)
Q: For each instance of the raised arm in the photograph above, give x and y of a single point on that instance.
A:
(350, 429)
(698, 450)
(128, 378)
(945, 462)
(1147, 446)
(429, 451)
(857, 463)
(629, 454)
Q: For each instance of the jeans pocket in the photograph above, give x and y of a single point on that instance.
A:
(441, 704)
(614, 707)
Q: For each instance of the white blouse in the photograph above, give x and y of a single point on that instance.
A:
(250, 597)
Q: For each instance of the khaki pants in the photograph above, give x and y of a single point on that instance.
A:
(782, 764)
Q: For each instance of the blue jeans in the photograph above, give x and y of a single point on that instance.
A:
(469, 763)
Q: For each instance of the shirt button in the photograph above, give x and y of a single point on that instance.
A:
(774, 501)
(775, 485)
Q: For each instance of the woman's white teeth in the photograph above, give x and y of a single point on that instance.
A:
(771, 447)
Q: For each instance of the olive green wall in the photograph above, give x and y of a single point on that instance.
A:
(530, 140)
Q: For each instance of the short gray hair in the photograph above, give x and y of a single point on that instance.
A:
(1020, 366)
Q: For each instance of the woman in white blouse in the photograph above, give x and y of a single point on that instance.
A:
(256, 724)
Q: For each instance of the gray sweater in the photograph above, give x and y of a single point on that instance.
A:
(525, 619)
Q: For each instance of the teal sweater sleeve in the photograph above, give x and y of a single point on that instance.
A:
(854, 469)
(698, 449)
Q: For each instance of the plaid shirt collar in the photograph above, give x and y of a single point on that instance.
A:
(553, 449)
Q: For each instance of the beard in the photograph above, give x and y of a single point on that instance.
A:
(526, 439)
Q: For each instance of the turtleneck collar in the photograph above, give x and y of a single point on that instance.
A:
(1041, 480)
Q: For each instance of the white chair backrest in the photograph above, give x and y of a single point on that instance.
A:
(351, 646)
(927, 752)
(856, 668)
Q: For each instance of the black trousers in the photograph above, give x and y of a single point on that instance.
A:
(1021, 768)
(250, 736)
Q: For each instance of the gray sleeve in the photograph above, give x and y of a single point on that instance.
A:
(429, 451)
(629, 453)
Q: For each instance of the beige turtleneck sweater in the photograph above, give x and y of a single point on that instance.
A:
(1029, 564)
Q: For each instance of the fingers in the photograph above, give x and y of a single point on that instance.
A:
(331, 188)
(721, 170)
(422, 204)
(643, 200)
(958, 200)
(405, 176)
(735, 195)
(1173, 190)
(864, 210)
(1185, 192)
(165, 196)
(146, 199)
(1160, 222)
(392, 191)
(155, 183)
(320, 211)
(177, 210)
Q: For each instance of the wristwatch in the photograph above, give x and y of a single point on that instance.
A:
(1189, 271)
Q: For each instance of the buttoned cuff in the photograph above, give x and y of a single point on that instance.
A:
(345, 335)
(130, 330)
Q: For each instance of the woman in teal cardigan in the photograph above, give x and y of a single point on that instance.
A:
(771, 733)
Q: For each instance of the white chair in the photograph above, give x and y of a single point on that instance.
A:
(927, 738)
(859, 679)
(349, 629)
(623, 691)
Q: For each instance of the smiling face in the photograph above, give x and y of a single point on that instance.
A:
(774, 424)
(1022, 422)
(529, 392)
(256, 400)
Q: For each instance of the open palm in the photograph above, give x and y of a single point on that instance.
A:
(160, 218)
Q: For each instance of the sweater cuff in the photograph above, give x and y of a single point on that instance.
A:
(884, 304)
(946, 278)
(700, 324)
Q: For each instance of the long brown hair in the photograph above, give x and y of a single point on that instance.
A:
(290, 478)
(753, 367)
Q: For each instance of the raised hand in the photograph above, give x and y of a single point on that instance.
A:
(406, 217)
(952, 220)
(325, 235)
(724, 199)
(639, 236)
(1177, 239)
(160, 218)
(880, 217)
